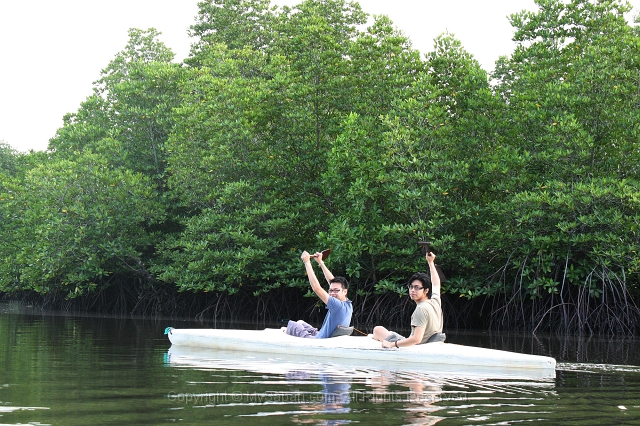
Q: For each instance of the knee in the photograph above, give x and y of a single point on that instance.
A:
(380, 333)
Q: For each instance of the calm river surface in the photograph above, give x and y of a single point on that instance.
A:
(75, 370)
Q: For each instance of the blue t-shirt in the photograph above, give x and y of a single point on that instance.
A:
(339, 314)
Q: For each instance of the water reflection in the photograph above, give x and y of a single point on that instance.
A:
(334, 398)
(322, 392)
(288, 388)
(65, 370)
(417, 393)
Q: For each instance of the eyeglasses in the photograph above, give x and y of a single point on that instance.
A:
(335, 290)
(414, 287)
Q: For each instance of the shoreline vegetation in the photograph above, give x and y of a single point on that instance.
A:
(190, 189)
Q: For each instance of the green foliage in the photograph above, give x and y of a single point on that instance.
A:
(575, 91)
(8, 159)
(249, 150)
(235, 23)
(224, 174)
(89, 124)
(412, 178)
(571, 87)
(74, 224)
(129, 117)
(298, 128)
(563, 233)
(143, 47)
(214, 140)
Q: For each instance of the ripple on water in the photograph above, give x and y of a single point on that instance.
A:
(268, 386)
(597, 368)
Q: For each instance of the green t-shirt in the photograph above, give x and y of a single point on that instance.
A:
(428, 314)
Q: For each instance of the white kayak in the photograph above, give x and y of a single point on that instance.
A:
(440, 357)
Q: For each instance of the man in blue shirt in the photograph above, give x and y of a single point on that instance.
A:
(339, 306)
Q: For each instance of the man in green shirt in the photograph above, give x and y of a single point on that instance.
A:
(426, 321)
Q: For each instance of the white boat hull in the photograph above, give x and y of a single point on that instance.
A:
(441, 357)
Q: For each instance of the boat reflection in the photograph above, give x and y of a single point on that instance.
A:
(330, 392)
(282, 362)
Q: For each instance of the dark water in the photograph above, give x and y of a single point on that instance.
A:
(64, 370)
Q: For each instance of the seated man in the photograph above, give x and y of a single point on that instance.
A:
(426, 321)
(339, 306)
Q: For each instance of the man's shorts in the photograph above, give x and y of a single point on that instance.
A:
(394, 337)
(301, 329)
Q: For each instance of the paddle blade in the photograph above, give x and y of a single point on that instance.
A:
(427, 245)
(323, 254)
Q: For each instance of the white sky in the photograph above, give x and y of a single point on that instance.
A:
(52, 50)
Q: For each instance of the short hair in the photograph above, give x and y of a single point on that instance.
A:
(341, 280)
(425, 279)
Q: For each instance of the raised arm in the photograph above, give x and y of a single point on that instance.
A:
(435, 277)
(313, 280)
(327, 273)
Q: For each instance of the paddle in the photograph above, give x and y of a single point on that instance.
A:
(324, 254)
(428, 246)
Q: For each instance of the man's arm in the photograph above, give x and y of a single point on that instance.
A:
(435, 277)
(327, 273)
(418, 333)
(313, 280)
